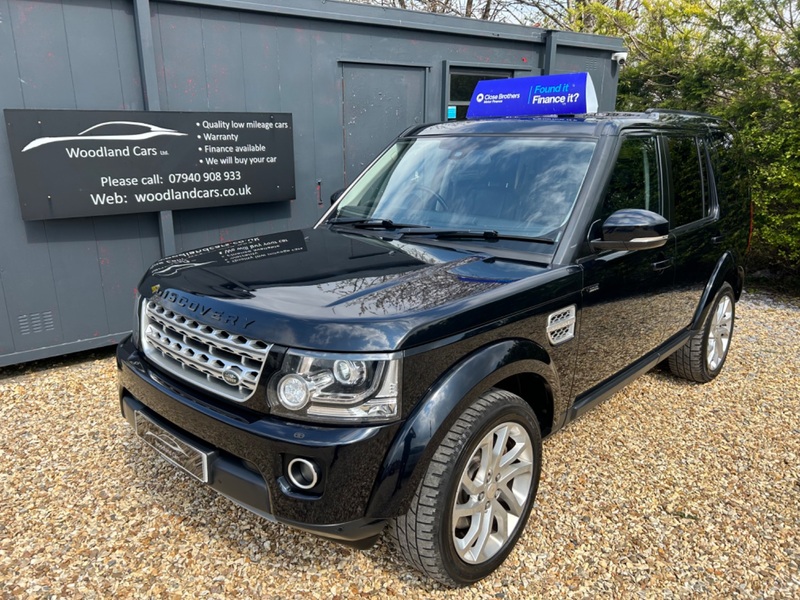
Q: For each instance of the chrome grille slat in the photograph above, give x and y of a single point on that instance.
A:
(215, 367)
(202, 354)
(219, 338)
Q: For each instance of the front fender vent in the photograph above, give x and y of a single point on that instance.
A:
(561, 325)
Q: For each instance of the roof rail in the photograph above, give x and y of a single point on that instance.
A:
(684, 113)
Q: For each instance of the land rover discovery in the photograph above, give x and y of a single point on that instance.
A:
(395, 367)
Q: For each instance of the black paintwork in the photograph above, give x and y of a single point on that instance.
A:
(347, 292)
(465, 314)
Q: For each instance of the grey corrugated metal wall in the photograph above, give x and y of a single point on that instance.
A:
(68, 285)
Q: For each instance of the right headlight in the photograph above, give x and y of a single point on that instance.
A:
(336, 388)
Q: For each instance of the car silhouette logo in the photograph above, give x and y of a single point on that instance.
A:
(145, 131)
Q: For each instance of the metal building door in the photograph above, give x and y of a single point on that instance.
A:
(379, 102)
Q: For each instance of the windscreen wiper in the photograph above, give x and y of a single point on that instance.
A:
(490, 235)
(374, 223)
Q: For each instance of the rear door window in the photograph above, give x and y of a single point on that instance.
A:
(688, 167)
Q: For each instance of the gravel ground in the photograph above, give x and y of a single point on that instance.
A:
(667, 490)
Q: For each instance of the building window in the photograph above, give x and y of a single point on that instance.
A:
(462, 84)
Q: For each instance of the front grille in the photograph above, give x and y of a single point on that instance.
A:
(224, 363)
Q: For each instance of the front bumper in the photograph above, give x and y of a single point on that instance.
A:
(249, 454)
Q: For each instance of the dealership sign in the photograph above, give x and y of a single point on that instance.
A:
(565, 94)
(74, 163)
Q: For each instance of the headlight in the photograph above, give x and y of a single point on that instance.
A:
(330, 388)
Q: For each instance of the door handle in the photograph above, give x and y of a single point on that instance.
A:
(717, 239)
(662, 265)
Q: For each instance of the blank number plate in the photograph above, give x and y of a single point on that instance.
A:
(175, 449)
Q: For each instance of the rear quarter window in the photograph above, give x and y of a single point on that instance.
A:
(729, 168)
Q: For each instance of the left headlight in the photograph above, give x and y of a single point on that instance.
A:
(331, 388)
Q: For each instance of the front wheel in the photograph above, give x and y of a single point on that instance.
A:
(703, 355)
(475, 497)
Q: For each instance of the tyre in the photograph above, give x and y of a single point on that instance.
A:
(474, 500)
(702, 357)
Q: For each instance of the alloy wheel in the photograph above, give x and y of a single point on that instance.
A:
(492, 493)
(719, 333)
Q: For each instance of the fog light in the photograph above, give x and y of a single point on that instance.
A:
(293, 392)
(303, 473)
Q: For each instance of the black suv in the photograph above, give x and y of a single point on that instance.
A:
(479, 286)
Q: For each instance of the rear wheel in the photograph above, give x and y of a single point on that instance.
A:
(702, 357)
(474, 500)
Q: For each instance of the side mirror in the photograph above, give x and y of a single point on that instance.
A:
(336, 195)
(632, 229)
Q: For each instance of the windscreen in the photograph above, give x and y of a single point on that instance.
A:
(513, 185)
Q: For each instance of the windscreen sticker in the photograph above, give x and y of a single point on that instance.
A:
(231, 253)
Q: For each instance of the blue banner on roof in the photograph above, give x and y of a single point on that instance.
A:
(565, 94)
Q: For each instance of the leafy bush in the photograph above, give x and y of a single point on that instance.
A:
(738, 59)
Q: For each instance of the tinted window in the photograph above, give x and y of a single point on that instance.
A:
(687, 163)
(729, 168)
(634, 181)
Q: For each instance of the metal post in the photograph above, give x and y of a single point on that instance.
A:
(550, 51)
(147, 68)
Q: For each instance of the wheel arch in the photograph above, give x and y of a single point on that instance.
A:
(537, 392)
(726, 270)
(519, 366)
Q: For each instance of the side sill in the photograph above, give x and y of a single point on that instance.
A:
(607, 389)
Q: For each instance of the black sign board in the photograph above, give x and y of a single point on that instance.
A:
(71, 163)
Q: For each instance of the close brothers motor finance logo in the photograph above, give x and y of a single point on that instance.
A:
(479, 98)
